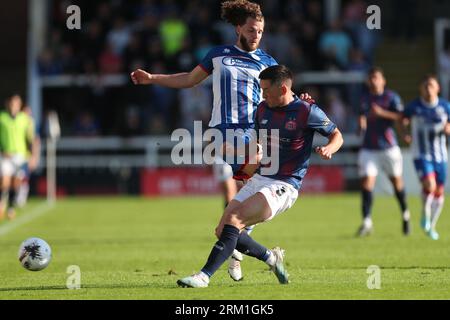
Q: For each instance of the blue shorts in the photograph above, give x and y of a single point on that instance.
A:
(425, 168)
(245, 132)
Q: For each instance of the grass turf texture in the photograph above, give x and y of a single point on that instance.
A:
(135, 248)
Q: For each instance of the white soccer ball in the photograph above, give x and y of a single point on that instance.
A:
(35, 254)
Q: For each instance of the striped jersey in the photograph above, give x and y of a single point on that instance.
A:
(236, 88)
(427, 129)
(380, 133)
(297, 122)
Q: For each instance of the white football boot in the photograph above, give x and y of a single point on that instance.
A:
(198, 280)
(234, 266)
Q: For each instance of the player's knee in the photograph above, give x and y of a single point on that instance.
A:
(429, 186)
(235, 217)
(397, 183)
(439, 190)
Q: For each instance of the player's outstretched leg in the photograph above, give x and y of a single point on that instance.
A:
(273, 258)
(278, 266)
(220, 252)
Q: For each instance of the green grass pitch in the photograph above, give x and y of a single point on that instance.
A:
(136, 248)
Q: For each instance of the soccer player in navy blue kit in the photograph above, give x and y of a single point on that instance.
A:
(429, 116)
(381, 109)
(265, 196)
(234, 70)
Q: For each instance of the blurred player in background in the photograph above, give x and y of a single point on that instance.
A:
(380, 111)
(264, 197)
(429, 117)
(236, 89)
(16, 142)
(32, 162)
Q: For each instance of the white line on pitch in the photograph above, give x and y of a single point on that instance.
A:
(27, 217)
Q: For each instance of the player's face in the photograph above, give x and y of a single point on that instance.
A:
(250, 34)
(376, 82)
(14, 105)
(272, 93)
(429, 90)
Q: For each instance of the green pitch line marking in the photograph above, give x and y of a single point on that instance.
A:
(38, 211)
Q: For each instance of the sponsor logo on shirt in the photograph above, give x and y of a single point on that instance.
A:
(235, 62)
(291, 125)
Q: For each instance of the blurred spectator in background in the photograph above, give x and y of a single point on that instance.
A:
(109, 61)
(86, 125)
(131, 123)
(48, 64)
(355, 90)
(173, 31)
(120, 36)
(354, 20)
(335, 45)
(336, 108)
(195, 105)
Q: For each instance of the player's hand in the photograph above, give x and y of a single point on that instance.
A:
(324, 153)
(407, 138)
(33, 164)
(306, 97)
(447, 129)
(141, 77)
(376, 110)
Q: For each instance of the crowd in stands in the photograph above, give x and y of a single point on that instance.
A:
(168, 36)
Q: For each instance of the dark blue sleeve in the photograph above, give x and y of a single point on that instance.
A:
(447, 108)
(396, 104)
(319, 121)
(207, 63)
(409, 110)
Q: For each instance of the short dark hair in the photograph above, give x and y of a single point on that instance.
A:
(374, 70)
(276, 74)
(236, 12)
(427, 77)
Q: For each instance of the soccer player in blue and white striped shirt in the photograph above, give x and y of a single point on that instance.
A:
(429, 116)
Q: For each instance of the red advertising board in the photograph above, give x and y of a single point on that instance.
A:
(200, 181)
(323, 179)
(178, 181)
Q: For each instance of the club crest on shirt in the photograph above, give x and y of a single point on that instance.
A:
(291, 125)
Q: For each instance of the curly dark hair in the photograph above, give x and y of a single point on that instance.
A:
(236, 12)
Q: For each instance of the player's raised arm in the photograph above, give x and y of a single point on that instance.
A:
(335, 142)
(177, 81)
(384, 114)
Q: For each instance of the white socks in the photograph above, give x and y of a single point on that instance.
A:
(367, 222)
(427, 201)
(271, 260)
(436, 208)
